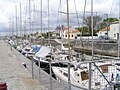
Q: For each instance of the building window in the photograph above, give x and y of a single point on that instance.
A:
(78, 35)
(114, 35)
(117, 35)
(65, 35)
(72, 35)
(65, 74)
(114, 28)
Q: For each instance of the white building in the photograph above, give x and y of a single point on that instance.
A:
(73, 33)
(112, 30)
(103, 32)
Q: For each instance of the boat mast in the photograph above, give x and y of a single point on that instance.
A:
(90, 64)
(41, 18)
(68, 25)
(48, 23)
(82, 30)
(16, 23)
(29, 34)
(68, 21)
(20, 21)
(41, 38)
(49, 45)
(119, 33)
(61, 27)
(29, 17)
(12, 28)
(92, 26)
(77, 13)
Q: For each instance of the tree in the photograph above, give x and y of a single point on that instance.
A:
(46, 35)
(107, 22)
(36, 33)
(110, 20)
(87, 22)
(85, 31)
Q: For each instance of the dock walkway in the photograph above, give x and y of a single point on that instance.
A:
(13, 73)
(44, 77)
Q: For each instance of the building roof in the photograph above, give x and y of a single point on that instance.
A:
(73, 31)
(65, 29)
(105, 29)
(71, 28)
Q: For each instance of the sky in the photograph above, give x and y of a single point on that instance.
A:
(7, 11)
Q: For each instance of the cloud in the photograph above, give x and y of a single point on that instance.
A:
(7, 10)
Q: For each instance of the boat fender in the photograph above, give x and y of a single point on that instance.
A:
(75, 68)
(112, 77)
(117, 78)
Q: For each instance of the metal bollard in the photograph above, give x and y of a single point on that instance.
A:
(3, 86)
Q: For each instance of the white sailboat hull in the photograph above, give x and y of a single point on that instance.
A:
(98, 81)
(73, 87)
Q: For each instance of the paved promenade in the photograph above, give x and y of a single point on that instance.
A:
(43, 77)
(13, 73)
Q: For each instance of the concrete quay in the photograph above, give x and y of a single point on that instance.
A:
(13, 72)
(41, 76)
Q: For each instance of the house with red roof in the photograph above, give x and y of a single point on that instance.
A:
(73, 33)
(104, 31)
(112, 31)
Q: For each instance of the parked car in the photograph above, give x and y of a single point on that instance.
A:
(103, 37)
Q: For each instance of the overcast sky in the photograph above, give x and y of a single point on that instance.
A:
(7, 10)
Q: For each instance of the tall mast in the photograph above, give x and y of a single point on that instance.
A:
(16, 18)
(35, 18)
(29, 34)
(68, 25)
(12, 27)
(77, 13)
(25, 33)
(92, 25)
(29, 16)
(82, 30)
(61, 21)
(20, 21)
(68, 21)
(119, 33)
(41, 18)
(90, 64)
(16, 23)
(48, 23)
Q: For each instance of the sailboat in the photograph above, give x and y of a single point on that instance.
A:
(41, 55)
(92, 75)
